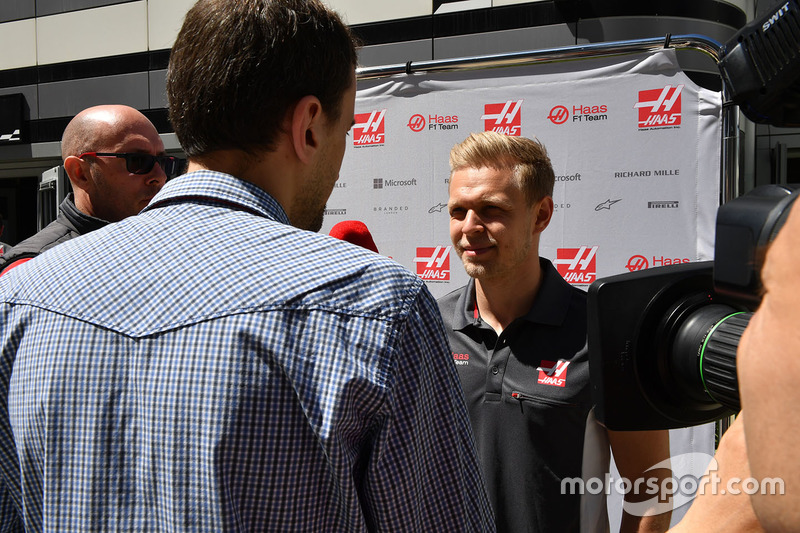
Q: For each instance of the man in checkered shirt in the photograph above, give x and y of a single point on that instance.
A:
(151, 379)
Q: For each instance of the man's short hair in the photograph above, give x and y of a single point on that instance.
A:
(238, 66)
(526, 158)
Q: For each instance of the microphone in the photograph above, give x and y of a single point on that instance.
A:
(354, 231)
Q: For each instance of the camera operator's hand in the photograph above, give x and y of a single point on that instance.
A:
(716, 508)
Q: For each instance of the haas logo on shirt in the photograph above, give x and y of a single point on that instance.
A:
(554, 374)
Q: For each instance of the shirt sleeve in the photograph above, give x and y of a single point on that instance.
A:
(423, 474)
(9, 519)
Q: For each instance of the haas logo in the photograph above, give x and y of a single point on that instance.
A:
(416, 123)
(660, 107)
(433, 264)
(577, 265)
(636, 263)
(558, 115)
(503, 118)
(553, 373)
(371, 126)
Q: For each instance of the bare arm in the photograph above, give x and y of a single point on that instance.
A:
(720, 511)
(634, 453)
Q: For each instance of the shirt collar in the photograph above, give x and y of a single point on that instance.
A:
(219, 188)
(550, 307)
(82, 222)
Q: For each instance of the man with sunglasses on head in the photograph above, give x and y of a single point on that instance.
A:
(215, 363)
(115, 161)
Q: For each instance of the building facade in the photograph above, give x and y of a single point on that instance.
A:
(61, 56)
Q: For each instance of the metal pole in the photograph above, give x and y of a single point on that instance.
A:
(729, 169)
(550, 55)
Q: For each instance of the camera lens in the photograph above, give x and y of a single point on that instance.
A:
(703, 355)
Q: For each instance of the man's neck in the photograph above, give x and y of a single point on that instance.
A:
(501, 300)
(267, 170)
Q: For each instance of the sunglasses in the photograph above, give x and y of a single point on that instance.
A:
(143, 163)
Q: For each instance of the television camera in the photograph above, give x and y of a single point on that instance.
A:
(663, 341)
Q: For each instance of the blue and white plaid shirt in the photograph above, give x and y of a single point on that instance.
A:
(153, 379)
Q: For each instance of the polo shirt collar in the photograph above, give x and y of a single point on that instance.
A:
(81, 222)
(550, 307)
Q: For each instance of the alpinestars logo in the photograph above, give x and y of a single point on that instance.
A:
(10, 137)
(505, 118)
(577, 265)
(660, 108)
(369, 129)
(433, 264)
(553, 373)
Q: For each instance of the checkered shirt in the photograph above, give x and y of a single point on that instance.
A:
(205, 366)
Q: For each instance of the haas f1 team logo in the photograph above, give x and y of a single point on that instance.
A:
(660, 107)
(558, 115)
(577, 265)
(416, 123)
(636, 263)
(553, 373)
(369, 128)
(433, 264)
(505, 118)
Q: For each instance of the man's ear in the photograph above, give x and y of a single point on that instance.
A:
(76, 171)
(543, 212)
(307, 120)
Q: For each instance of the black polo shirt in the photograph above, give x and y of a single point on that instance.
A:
(528, 397)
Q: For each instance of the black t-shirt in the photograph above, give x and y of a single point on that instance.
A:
(528, 396)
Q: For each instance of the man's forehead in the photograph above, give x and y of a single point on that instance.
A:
(136, 140)
(484, 181)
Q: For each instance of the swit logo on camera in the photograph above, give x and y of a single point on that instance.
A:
(659, 108)
(368, 129)
(553, 373)
(577, 265)
(433, 264)
(505, 118)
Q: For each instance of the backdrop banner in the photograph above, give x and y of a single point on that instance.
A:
(634, 143)
(636, 149)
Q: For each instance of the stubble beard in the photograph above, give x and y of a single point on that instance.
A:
(310, 205)
(495, 269)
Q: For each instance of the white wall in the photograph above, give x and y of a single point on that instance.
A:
(90, 33)
(19, 36)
